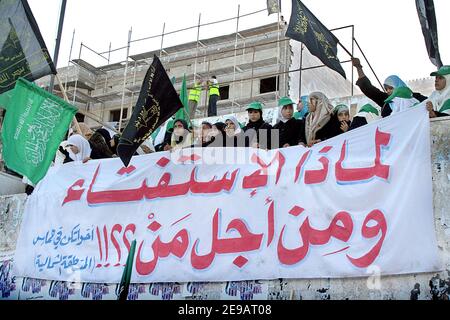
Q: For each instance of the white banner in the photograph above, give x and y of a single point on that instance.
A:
(358, 203)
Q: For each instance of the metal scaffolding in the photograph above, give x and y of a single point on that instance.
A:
(201, 53)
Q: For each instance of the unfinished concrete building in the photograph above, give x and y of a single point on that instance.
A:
(253, 64)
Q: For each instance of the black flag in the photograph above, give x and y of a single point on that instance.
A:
(273, 6)
(427, 17)
(23, 51)
(157, 102)
(306, 28)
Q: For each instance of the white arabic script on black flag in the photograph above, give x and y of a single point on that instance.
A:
(22, 50)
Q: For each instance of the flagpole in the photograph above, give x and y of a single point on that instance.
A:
(301, 66)
(235, 48)
(379, 82)
(345, 49)
(58, 42)
(68, 62)
(277, 82)
(353, 53)
(125, 79)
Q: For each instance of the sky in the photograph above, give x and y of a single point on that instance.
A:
(388, 31)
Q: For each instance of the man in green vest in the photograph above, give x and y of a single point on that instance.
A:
(194, 98)
(214, 96)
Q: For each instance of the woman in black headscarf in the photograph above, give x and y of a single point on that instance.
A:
(105, 134)
(217, 135)
(100, 148)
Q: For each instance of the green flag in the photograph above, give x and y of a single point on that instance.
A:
(183, 113)
(34, 126)
(126, 276)
(4, 99)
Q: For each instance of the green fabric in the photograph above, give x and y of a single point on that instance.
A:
(183, 113)
(400, 92)
(255, 105)
(445, 106)
(444, 70)
(298, 115)
(369, 108)
(170, 124)
(35, 124)
(155, 133)
(4, 99)
(126, 275)
(285, 101)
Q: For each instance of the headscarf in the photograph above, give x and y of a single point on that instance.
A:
(116, 139)
(60, 157)
(319, 118)
(84, 149)
(394, 82)
(105, 134)
(220, 126)
(281, 117)
(439, 97)
(237, 126)
(186, 140)
(205, 136)
(301, 114)
(207, 123)
(400, 104)
(341, 108)
(217, 140)
(100, 145)
(401, 99)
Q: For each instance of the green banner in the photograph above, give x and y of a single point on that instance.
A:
(34, 126)
(124, 285)
(183, 113)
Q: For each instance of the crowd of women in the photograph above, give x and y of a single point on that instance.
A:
(316, 120)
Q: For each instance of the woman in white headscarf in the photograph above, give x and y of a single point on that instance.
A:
(234, 136)
(79, 148)
(320, 111)
(376, 95)
(401, 99)
(438, 104)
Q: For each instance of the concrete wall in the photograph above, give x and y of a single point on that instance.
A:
(423, 286)
(10, 184)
